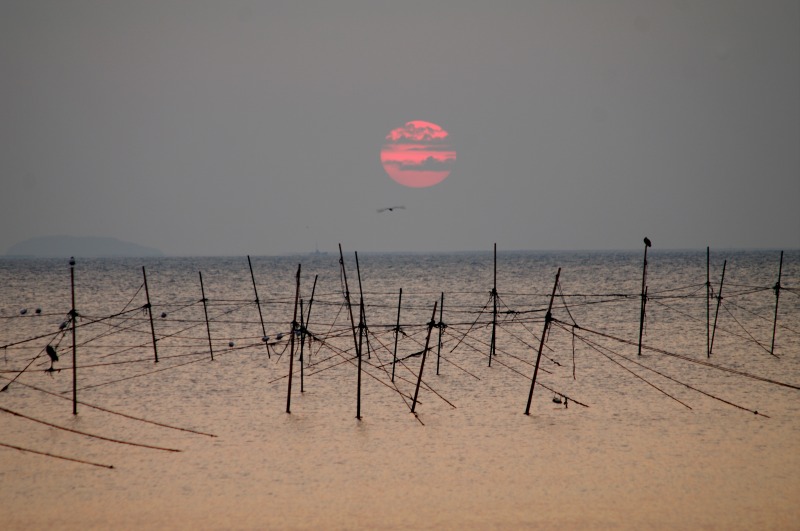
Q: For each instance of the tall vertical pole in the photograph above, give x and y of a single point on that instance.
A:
(356, 339)
(363, 317)
(431, 324)
(74, 317)
(291, 341)
(302, 345)
(308, 316)
(360, 357)
(708, 302)
(205, 312)
(440, 326)
(396, 332)
(258, 305)
(644, 294)
(362, 330)
(494, 312)
(150, 314)
(777, 297)
(347, 299)
(547, 318)
(716, 314)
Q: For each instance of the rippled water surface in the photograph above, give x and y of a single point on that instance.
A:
(669, 439)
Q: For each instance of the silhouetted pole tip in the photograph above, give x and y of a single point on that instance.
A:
(647, 242)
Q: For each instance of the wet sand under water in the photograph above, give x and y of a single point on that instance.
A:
(481, 466)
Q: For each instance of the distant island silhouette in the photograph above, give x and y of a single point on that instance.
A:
(79, 246)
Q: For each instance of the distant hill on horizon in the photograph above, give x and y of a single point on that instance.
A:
(79, 246)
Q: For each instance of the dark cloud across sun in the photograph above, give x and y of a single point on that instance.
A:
(418, 154)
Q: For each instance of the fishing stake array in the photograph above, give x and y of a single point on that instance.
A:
(124, 339)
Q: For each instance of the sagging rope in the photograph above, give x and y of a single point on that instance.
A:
(204, 358)
(47, 454)
(678, 381)
(597, 348)
(688, 359)
(531, 332)
(62, 332)
(766, 319)
(78, 432)
(753, 339)
(485, 306)
(750, 337)
(105, 410)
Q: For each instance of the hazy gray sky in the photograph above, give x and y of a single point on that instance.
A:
(248, 127)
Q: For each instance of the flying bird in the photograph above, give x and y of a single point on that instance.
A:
(392, 208)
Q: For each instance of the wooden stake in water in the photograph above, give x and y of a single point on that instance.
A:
(150, 314)
(494, 311)
(431, 324)
(291, 341)
(777, 297)
(547, 319)
(302, 344)
(716, 314)
(440, 326)
(396, 332)
(74, 317)
(308, 316)
(644, 293)
(356, 335)
(205, 312)
(258, 305)
(347, 300)
(363, 316)
(362, 334)
(360, 357)
(708, 302)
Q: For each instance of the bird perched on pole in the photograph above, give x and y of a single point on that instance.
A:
(647, 242)
(51, 351)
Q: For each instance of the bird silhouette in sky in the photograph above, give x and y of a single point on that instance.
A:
(392, 208)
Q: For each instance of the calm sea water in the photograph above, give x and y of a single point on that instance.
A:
(669, 439)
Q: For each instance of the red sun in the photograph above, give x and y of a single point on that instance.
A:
(418, 154)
